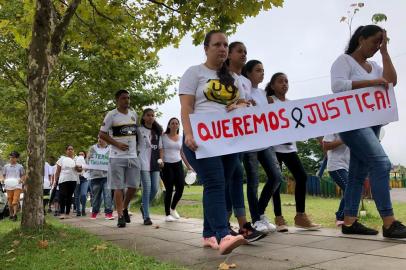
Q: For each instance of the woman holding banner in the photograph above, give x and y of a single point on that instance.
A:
(350, 71)
(287, 153)
(237, 57)
(254, 71)
(210, 88)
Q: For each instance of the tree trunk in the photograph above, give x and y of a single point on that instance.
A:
(39, 68)
(47, 36)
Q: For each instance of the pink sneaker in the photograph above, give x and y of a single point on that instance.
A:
(210, 242)
(109, 216)
(93, 216)
(228, 243)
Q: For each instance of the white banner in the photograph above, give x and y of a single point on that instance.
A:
(100, 167)
(297, 120)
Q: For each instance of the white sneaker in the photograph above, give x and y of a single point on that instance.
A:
(271, 227)
(174, 213)
(170, 218)
(260, 226)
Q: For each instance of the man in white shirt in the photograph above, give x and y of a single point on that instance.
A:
(120, 130)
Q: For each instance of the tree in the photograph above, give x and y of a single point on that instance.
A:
(311, 154)
(103, 26)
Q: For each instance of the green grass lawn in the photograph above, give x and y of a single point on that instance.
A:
(321, 210)
(68, 248)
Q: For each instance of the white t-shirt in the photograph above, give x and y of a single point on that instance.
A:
(145, 147)
(47, 174)
(244, 84)
(204, 84)
(345, 70)
(286, 147)
(122, 128)
(259, 96)
(68, 172)
(12, 174)
(339, 157)
(53, 171)
(171, 149)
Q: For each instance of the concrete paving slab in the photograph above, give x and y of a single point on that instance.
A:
(302, 256)
(395, 251)
(190, 256)
(361, 261)
(180, 242)
(244, 262)
(349, 245)
(292, 239)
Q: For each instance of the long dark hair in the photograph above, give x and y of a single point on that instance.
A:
(155, 126)
(168, 130)
(249, 67)
(223, 73)
(268, 89)
(362, 31)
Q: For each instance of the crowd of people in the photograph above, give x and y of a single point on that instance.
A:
(140, 153)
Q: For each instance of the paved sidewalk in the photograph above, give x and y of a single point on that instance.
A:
(180, 243)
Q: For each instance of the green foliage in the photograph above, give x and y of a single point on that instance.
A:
(379, 17)
(108, 45)
(311, 155)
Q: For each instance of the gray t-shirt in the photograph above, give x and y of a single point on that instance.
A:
(210, 94)
(122, 128)
(12, 174)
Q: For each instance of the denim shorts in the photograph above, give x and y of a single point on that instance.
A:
(123, 173)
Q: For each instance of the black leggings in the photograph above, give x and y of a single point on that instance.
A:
(173, 175)
(294, 165)
(66, 190)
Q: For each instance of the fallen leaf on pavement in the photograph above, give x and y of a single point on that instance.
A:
(156, 226)
(225, 266)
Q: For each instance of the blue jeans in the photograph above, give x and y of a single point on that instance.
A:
(234, 185)
(211, 173)
(269, 162)
(367, 157)
(150, 184)
(100, 188)
(340, 177)
(81, 194)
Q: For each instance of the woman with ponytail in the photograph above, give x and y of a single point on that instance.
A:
(211, 88)
(351, 71)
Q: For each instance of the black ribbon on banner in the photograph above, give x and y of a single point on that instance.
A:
(298, 120)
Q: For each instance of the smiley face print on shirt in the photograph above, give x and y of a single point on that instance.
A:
(219, 93)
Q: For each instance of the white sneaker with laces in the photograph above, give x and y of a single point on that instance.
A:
(260, 226)
(174, 213)
(170, 218)
(271, 227)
